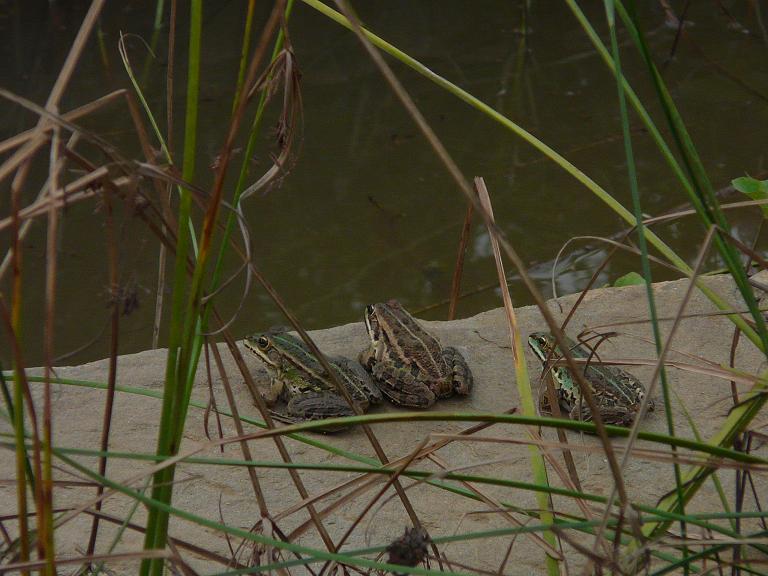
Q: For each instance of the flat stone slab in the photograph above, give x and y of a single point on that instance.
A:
(226, 493)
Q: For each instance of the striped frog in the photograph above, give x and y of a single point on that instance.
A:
(618, 393)
(298, 378)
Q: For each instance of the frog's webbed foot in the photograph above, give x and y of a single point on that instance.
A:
(462, 380)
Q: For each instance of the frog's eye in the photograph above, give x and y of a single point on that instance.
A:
(263, 342)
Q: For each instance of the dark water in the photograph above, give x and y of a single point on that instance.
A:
(365, 212)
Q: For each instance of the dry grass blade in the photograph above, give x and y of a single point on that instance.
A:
(459, 268)
(212, 407)
(426, 452)
(23, 394)
(703, 251)
(45, 522)
(641, 453)
(357, 486)
(20, 230)
(380, 494)
(380, 454)
(166, 196)
(106, 426)
(495, 505)
(71, 116)
(261, 501)
(39, 564)
(616, 245)
(265, 413)
(283, 67)
(179, 543)
(37, 138)
(521, 370)
(717, 371)
(68, 194)
(494, 230)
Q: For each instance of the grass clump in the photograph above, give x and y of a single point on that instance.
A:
(340, 488)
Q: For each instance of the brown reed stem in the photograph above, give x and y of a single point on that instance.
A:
(459, 268)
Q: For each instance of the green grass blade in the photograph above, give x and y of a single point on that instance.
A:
(703, 199)
(573, 425)
(153, 123)
(315, 554)
(710, 213)
(660, 514)
(645, 264)
(527, 404)
(174, 386)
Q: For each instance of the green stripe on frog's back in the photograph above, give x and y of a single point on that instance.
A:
(610, 385)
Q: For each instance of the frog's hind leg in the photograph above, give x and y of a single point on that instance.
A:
(462, 380)
(318, 405)
(363, 390)
(402, 387)
(580, 411)
(315, 406)
(616, 415)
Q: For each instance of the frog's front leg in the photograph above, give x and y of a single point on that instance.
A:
(462, 380)
(278, 384)
(270, 386)
(545, 406)
(367, 357)
(402, 387)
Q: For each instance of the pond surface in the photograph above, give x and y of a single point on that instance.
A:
(365, 212)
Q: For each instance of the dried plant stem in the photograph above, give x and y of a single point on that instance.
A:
(106, 424)
(378, 496)
(464, 186)
(260, 500)
(14, 329)
(45, 524)
(264, 410)
(70, 116)
(523, 382)
(459, 268)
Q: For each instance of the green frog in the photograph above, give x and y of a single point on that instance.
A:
(618, 393)
(298, 379)
(409, 364)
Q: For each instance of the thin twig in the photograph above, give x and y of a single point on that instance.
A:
(459, 268)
